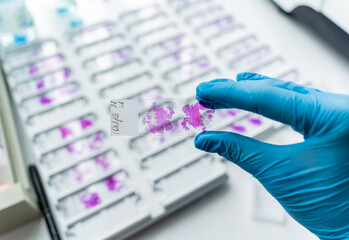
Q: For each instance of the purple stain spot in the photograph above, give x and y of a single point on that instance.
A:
(53, 80)
(40, 84)
(177, 57)
(187, 71)
(109, 28)
(114, 184)
(67, 91)
(96, 142)
(231, 112)
(195, 118)
(85, 123)
(161, 139)
(238, 128)
(70, 148)
(158, 119)
(65, 131)
(203, 64)
(36, 52)
(255, 121)
(228, 113)
(221, 24)
(33, 69)
(45, 100)
(101, 160)
(164, 46)
(125, 54)
(58, 58)
(178, 41)
(79, 174)
(98, 138)
(229, 20)
(66, 73)
(90, 200)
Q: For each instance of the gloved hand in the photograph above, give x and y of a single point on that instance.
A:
(309, 179)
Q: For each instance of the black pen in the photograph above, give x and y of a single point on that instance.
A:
(43, 203)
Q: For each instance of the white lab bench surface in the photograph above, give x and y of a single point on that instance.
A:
(226, 212)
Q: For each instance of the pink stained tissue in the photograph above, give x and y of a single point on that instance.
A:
(96, 194)
(169, 117)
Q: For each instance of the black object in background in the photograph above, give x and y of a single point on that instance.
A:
(43, 203)
(324, 27)
(328, 30)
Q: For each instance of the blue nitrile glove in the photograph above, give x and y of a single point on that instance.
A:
(309, 179)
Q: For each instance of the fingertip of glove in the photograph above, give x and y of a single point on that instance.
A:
(220, 80)
(198, 141)
(250, 76)
(201, 101)
(204, 140)
(201, 140)
(207, 85)
(244, 76)
(202, 93)
(200, 89)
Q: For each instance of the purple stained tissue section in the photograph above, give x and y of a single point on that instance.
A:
(164, 46)
(85, 123)
(36, 52)
(176, 56)
(255, 121)
(125, 54)
(96, 142)
(197, 116)
(178, 41)
(66, 73)
(238, 128)
(40, 84)
(45, 100)
(65, 131)
(33, 69)
(75, 148)
(90, 199)
(79, 174)
(221, 24)
(102, 161)
(159, 118)
(186, 55)
(114, 184)
(227, 112)
(81, 146)
(83, 171)
(203, 64)
(72, 128)
(56, 95)
(55, 79)
(175, 44)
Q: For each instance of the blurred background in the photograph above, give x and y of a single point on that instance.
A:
(62, 176)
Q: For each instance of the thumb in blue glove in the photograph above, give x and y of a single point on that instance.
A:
(309, 179)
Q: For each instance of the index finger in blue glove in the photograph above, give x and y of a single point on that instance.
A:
(247, 76)
(276, 102)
